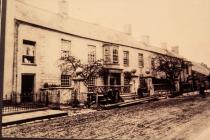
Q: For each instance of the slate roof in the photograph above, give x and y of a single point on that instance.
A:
(200, 68)
(80, 28)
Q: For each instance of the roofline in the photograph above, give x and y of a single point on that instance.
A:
(18, 21)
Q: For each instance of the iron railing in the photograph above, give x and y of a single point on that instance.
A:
(105, 92)
(166, 87)
(103, 89)
(23, 102)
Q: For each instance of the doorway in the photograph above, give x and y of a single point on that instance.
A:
(115, 79)
(27, 87)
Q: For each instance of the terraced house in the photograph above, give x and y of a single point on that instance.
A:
(36, 39)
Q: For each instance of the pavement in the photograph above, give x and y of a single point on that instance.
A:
(31, 116)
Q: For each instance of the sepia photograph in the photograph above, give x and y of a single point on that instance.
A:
(105, 69)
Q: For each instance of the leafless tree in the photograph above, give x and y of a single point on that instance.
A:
(71, 64)
(171, 66)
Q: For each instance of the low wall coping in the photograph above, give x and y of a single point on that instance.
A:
(56, 88)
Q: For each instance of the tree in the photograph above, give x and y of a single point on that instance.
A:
(70, 64)
(128, 75)
(171, 66)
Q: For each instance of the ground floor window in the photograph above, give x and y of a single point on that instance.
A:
(126, 81)
(65, 80)
(91, 82)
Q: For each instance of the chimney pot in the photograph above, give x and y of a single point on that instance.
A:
(175, 49)
(63, 7)
(127, 29)
(146, 39)
(164, 46)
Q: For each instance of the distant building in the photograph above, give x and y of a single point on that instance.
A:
(201, 70)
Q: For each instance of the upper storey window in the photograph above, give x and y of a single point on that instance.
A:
(115, 55)
(141, 60)
(29, 52)
(126, 58)
(111, 54)
(107, 54)
(65, 49)
(91, 53)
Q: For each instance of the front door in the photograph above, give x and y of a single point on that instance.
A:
(115, 79)
(27, 88)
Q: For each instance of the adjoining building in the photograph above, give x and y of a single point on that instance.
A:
(200, 70)
(36, 39)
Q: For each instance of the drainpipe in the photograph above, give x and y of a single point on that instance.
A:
(15, 57)
(3, 5)
(2, 50)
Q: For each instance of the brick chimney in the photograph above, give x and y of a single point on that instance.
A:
(175, 49)
(164, 46)
(127, 29)
(145, 39)
(63, 7)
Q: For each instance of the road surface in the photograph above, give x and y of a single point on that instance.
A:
(183, 118)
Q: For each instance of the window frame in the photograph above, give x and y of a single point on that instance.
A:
(28, 46)
(107, 54)
(91, 53)
(115, 55)
(91, 81)
(126, 81)
(141, 60)
(65, 82)
(65, 51)
(126, 58)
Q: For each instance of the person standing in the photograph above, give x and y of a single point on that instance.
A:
(202, 89)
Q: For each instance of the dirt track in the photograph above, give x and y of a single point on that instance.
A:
(175, 118)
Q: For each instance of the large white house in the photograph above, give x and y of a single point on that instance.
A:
(37, 39)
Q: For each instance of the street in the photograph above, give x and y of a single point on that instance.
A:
(183, 117)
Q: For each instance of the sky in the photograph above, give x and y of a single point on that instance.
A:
(185, 23)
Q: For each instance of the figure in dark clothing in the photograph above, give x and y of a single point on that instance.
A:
(140, 93)
(114, 95)
(209, 78)
(117, 96)
(202, 89)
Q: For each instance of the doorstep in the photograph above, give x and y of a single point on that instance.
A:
(128, 102)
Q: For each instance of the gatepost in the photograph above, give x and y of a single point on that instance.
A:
(150, 86)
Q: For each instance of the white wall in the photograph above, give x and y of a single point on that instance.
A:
(48, 51)
(9, 48)
(48, 45)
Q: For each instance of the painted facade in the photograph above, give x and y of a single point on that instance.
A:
(36, 40)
